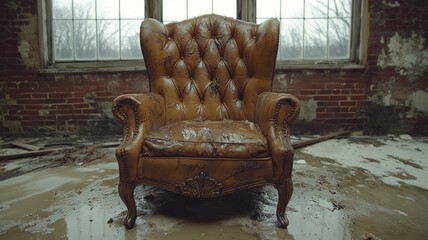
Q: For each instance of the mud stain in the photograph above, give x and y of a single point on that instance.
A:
(331, 200)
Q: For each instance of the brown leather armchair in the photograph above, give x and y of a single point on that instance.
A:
(210, 125)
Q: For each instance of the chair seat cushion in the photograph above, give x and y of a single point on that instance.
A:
(219, 139)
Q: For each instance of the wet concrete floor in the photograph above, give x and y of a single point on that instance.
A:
(331, 200)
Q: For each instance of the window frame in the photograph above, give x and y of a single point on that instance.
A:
(246, 10)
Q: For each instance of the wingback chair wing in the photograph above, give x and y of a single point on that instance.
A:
(210, 124)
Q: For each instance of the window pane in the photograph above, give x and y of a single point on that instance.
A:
(292, 9)
(132, 9)
(84, 9)
(174, 10)
(339, 37)
(316, 8)
(178, 10)
(108, 39)
(268, 8)
(84, 38)
(315, 38)
(199, 7)
(108, 9)
(130, 40)
(340, 8)
(63, 39)
(225, 8)
(61, 9)
(292, 38)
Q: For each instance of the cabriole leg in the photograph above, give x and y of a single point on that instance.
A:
(126, 192)
(285, 190)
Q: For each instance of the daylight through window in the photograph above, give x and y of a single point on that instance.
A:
(90, 30)
(99, 30)
(310, 29)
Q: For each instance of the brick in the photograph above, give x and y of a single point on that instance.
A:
(321, 98)
(348, 103)
(338, 98)
(75, 100)
(327, 103)
(81, 105)
(324, 92)
(308, 92)
(39, 95)
(357, 91)
(344, 115)
(60, 95)
(332, 109)
(36, 106)
(68, 111)
(324, 115)
(64, 106)
(359, 97)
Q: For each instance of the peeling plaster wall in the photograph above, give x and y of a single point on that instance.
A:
(418, 101)
(398, 66)
(308, 110)
(409, 56)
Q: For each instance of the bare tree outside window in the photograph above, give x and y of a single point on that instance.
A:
(90, 30)
(310, 29)
(97, 30)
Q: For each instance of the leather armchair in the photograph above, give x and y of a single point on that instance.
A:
(210, 124)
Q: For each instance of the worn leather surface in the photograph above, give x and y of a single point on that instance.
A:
(210, 67)
(232, 173)
(210, 139)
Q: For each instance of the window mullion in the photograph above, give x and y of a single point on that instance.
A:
(304, 29)
(97, 46)
(120, 31)
(73, 29)
(327, 47)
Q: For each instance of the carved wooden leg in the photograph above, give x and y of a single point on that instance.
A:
(285, 190)
(126, 192)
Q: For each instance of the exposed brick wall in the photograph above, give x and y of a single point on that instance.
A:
(384, 97)
(337, 97)
(71, 104)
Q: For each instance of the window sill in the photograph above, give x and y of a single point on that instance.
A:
(138, 66)
(283, 65)
(95, 67)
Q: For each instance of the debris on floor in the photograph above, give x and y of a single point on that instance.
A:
(18, 157)
(355, 187)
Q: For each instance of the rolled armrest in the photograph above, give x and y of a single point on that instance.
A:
(139, 114)
(275, 113)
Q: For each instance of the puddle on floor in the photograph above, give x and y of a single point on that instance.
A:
(329, 202)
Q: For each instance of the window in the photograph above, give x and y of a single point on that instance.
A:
(311, 29)
(177, 10)
(91, 30)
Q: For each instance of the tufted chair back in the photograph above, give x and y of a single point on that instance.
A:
(210, 67)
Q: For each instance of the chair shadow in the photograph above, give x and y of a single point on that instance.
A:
(248, 203)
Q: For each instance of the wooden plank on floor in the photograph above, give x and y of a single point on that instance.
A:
(320, 139)
(25, 146)
(27, 154)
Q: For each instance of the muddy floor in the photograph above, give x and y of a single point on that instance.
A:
(351, 188)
